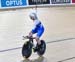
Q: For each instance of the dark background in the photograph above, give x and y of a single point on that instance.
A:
(34, 3)
(60, 2)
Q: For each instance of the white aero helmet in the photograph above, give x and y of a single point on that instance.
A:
(33, 14)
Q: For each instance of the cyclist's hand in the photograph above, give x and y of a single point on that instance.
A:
(24, 37)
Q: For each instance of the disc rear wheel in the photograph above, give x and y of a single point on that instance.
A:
(42, 49)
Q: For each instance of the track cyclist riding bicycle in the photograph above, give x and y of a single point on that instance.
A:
(37, 29)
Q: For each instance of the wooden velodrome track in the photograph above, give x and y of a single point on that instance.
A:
(59, 34)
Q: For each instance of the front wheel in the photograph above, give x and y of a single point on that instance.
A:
(42, 49)
(27, 50)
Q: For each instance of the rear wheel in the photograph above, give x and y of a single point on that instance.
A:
(42, 49)
(27, 50)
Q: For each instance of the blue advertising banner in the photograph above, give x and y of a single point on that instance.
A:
(12, 3)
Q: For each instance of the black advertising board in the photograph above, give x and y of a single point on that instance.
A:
(34, 2)
(60, 1)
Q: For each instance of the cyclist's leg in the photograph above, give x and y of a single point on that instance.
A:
(39, 34)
